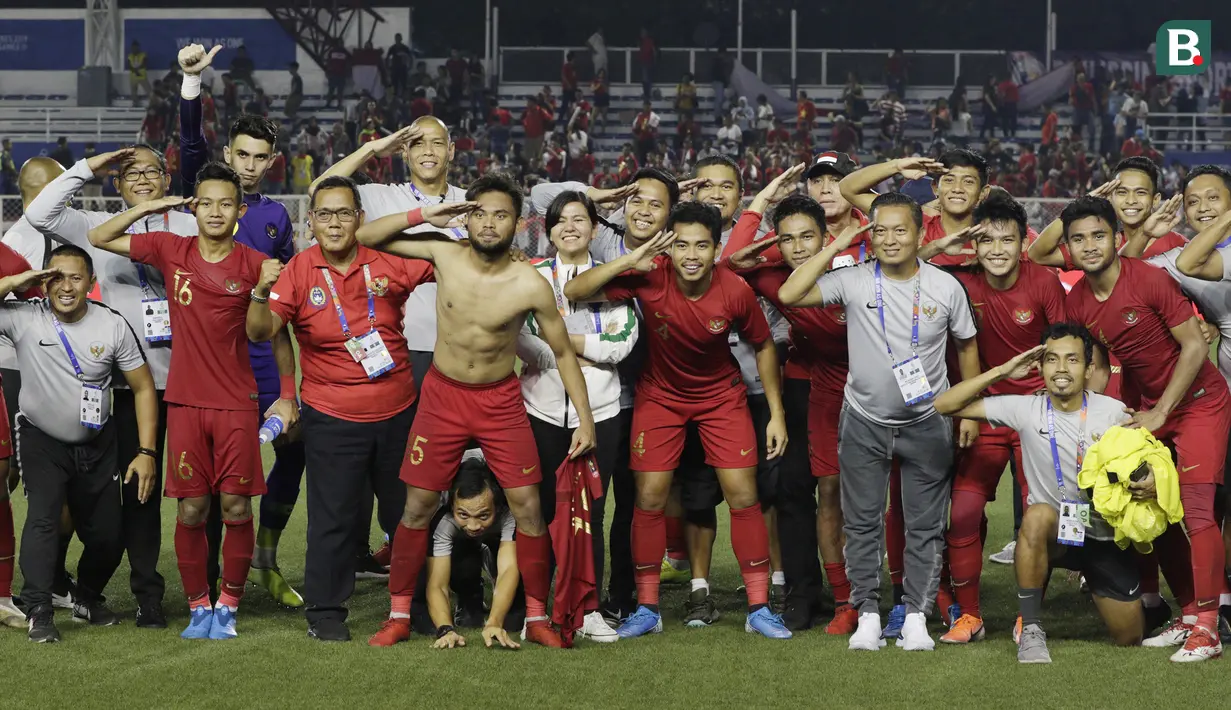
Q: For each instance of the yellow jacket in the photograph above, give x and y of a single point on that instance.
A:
(1113, 458)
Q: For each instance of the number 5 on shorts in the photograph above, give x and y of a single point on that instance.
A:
(415, 452)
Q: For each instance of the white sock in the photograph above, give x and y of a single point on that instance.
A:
(699, 583)
(778, 578)
(1224, 600)
(1150, 600)
(1189, 619)
(398, 615)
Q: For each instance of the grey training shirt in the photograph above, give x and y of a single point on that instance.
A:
(446, 532)
(1212, 297)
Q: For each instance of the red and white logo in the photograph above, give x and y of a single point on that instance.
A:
(1129, 316)
(717, 325)
(1023, 316)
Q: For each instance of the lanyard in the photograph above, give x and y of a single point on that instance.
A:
(560, 303)
(424, 199)
(1081, 441)
(337, 303)
(914, 317)
(863, 251)
(142, 277)
(68, 348)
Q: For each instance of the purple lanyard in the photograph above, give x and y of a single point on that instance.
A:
(425, 200)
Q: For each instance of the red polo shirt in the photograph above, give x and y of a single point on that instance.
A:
(333, 383)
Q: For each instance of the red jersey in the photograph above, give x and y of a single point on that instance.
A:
(1049, 129)
(209, 305)
(1165, 243)
(333, 382)
(1008, 91)
(277, 169)
(1134, 323)
(535, 121)
(1130, 148)
(807, 111)
(690, 358)
(568, 76)
(1013, 321)
(934, 228)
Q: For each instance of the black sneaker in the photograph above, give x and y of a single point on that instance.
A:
(615, 612)
(151, 616)
(43, 626)
(1156, 617)
(329, 630)
(1224, 624)
(96, 613)
(777, 599)
(798, 615)
(366, 567)
(699, 610)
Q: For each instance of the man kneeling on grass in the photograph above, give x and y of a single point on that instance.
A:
(1056, 428)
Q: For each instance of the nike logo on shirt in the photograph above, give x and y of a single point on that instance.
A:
(46, 345)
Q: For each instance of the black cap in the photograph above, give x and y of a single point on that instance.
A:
(839, 164)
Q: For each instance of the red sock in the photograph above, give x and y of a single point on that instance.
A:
(649, 544)
(895, 528)
(750, 541)
(8, 547)
(965, 549)
(534, 563)
(1175, 560)
(191, 549)
(677, 547)
(405, 563)
(1205, 541)
(836, 574)
(236, 560)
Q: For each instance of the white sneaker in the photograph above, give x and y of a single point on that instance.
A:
(1202, 645)
(915, 634)
(1005, 556)
(868, 636)
(595, 628)
(1174, 634)
(10, 615)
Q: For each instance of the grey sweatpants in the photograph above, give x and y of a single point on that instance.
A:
(866, 451)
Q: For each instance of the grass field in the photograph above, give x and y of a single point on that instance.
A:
(274, 664)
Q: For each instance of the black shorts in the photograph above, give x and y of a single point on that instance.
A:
(699, 487)
(1110, 572)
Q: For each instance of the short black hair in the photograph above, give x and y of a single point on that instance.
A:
(1088, 206)
(1144, 165)
(1001, 207)
(71, 250)
(725, 161)
(1206, 169)
(472, 479)
(564, 199)
(1071, 329)
(334, 182)
(497, 182)
(961, 157)
(898, 199)
(652, 173)
(697, 213)
(158, 156)
(255, 126)
(221, 172)
(799, 204)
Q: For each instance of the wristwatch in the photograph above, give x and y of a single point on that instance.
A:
(148, 452)
(258, 299)
(442, 631)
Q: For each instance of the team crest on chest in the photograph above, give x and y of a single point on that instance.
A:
(271, 230)
(97, 349)
(316, 296)
(232, 285)
(379, 285)
(929, 311)
(1129, 316)
(840, 316)
(1023, 316)
(717, 325)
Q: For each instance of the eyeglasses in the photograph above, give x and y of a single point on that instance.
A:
(326, 216)
(150, 174)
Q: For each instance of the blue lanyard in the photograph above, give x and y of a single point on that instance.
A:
(914, 318)
(142, 277)
(1055, 450)
(863, 251)
(1223, 243)
(337, 302)
(68, 348)
(425, 200)
(560, 302)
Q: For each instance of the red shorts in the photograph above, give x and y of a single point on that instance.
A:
(213, 451)
(452, 414)
(823, 411)
(6, 434)
(979, 468)
(1198, 433)
(725, 427)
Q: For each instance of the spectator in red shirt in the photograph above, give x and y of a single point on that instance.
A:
(420, 106)
(581, 167)
(805, 113)
(1028, 165)
(1050, 123)
(628, 164)
(647, 55)
(568, 86)
(1150, 152)
(1052, 187)
(1007, 88)
(1132, 147)
(337, 67)
(458, 70)
(152, 128)
(778, 135)
(1081, 97)
(275, 177)
(842, 138)
(645, 131)
(534, 120)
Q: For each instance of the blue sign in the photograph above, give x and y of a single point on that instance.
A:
(268, 45)
(42, 45)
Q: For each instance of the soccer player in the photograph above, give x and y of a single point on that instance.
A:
(900, 314)
(65, 436)
(266, 227)
(691, 377)
(357, 405)
(1015, 301)
(212, 421)
(1139, 313)
(139, 293)
(471, 391)
(1055, 428)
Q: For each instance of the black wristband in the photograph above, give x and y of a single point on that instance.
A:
(148, 452)
(442, 631)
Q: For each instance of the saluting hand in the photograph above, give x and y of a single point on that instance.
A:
(1164, 219)
(612, 196)
(643, 256)
(844, 240)
(101, 160)
(29, 279)
(445, 214)
(750, 256)
(390, 144)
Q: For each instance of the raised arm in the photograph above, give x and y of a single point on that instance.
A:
(857, 187)
(551, 326)
(1162, 220)
(388, 233)
(378, 148)
(50, 212)
(962, 399)
(1200, 259)
(112, 235)
(588, 285)
(801, 288)
(750, 222)
(960, 237)
(1046, 249)
(194, 152)
(1194, 352)
(25, 281)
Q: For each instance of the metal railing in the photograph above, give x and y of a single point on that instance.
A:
(812, 67)
(42, 123)
(1202, 132)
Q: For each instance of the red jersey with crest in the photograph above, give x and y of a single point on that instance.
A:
(1013, 321)
(690, 358)
(1135, 322)
(210, 368)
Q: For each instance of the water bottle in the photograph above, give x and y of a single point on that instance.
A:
(271, 429)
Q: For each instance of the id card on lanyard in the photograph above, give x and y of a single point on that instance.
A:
(368, 349)
(155, 311)
(1074, 513)
(91, 404)
(562, 304)
(425, 201)
(909, 373)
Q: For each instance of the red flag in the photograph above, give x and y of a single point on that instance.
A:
(578, 486)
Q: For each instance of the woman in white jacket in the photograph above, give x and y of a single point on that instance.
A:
(603, 334)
